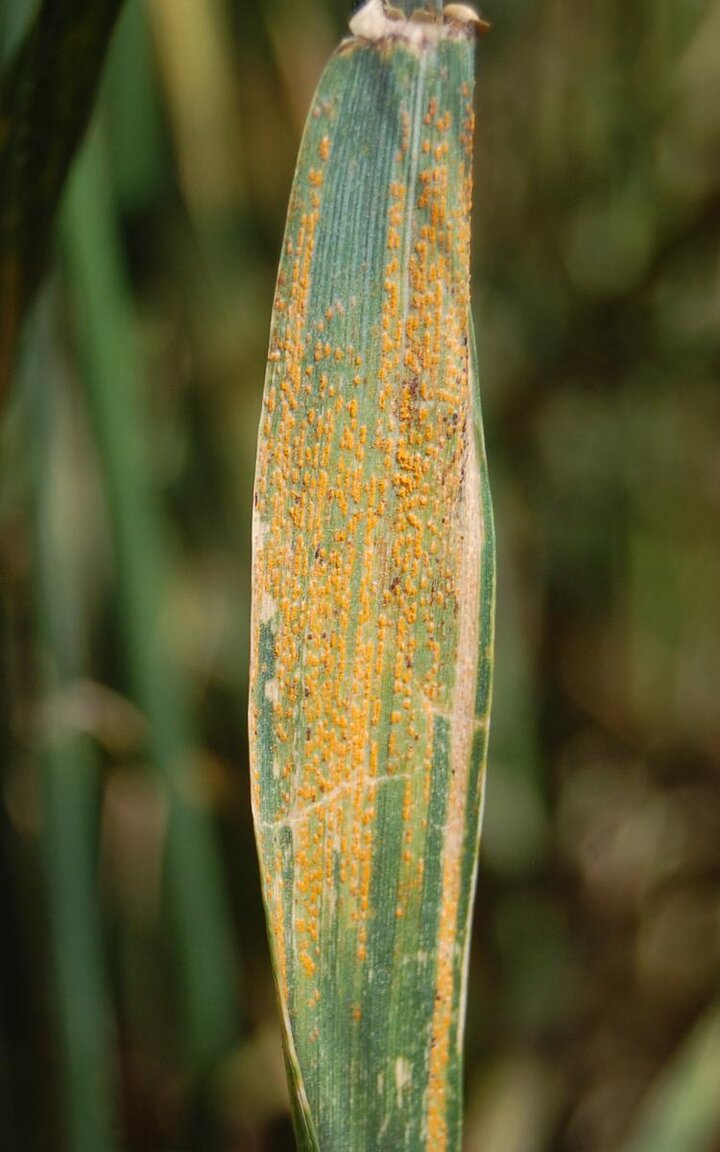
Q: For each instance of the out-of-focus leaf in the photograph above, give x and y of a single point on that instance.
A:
(70, 778)
(46, 97)
(682, 1111)
(204, 946)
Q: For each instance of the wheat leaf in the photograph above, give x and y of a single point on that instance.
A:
(373, 589)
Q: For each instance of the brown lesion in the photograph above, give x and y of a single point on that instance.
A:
(46, 98)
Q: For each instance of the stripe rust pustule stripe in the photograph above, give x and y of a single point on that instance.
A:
(372, 597)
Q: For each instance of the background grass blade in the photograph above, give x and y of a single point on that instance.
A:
(373, 588)
(201, 918)
(70, 780)
(682, 1110)
(46, 99)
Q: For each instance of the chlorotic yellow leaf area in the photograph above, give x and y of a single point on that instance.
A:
(373, 592)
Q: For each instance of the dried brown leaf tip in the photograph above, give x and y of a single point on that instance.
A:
(377, 21)
(465, 15)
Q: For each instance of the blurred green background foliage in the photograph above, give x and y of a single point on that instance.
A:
(136, 1002)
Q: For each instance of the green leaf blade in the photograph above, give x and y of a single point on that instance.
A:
(373, 590)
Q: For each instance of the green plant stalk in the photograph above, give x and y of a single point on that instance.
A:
(112, 374)
(70, 785)
(373, 595)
